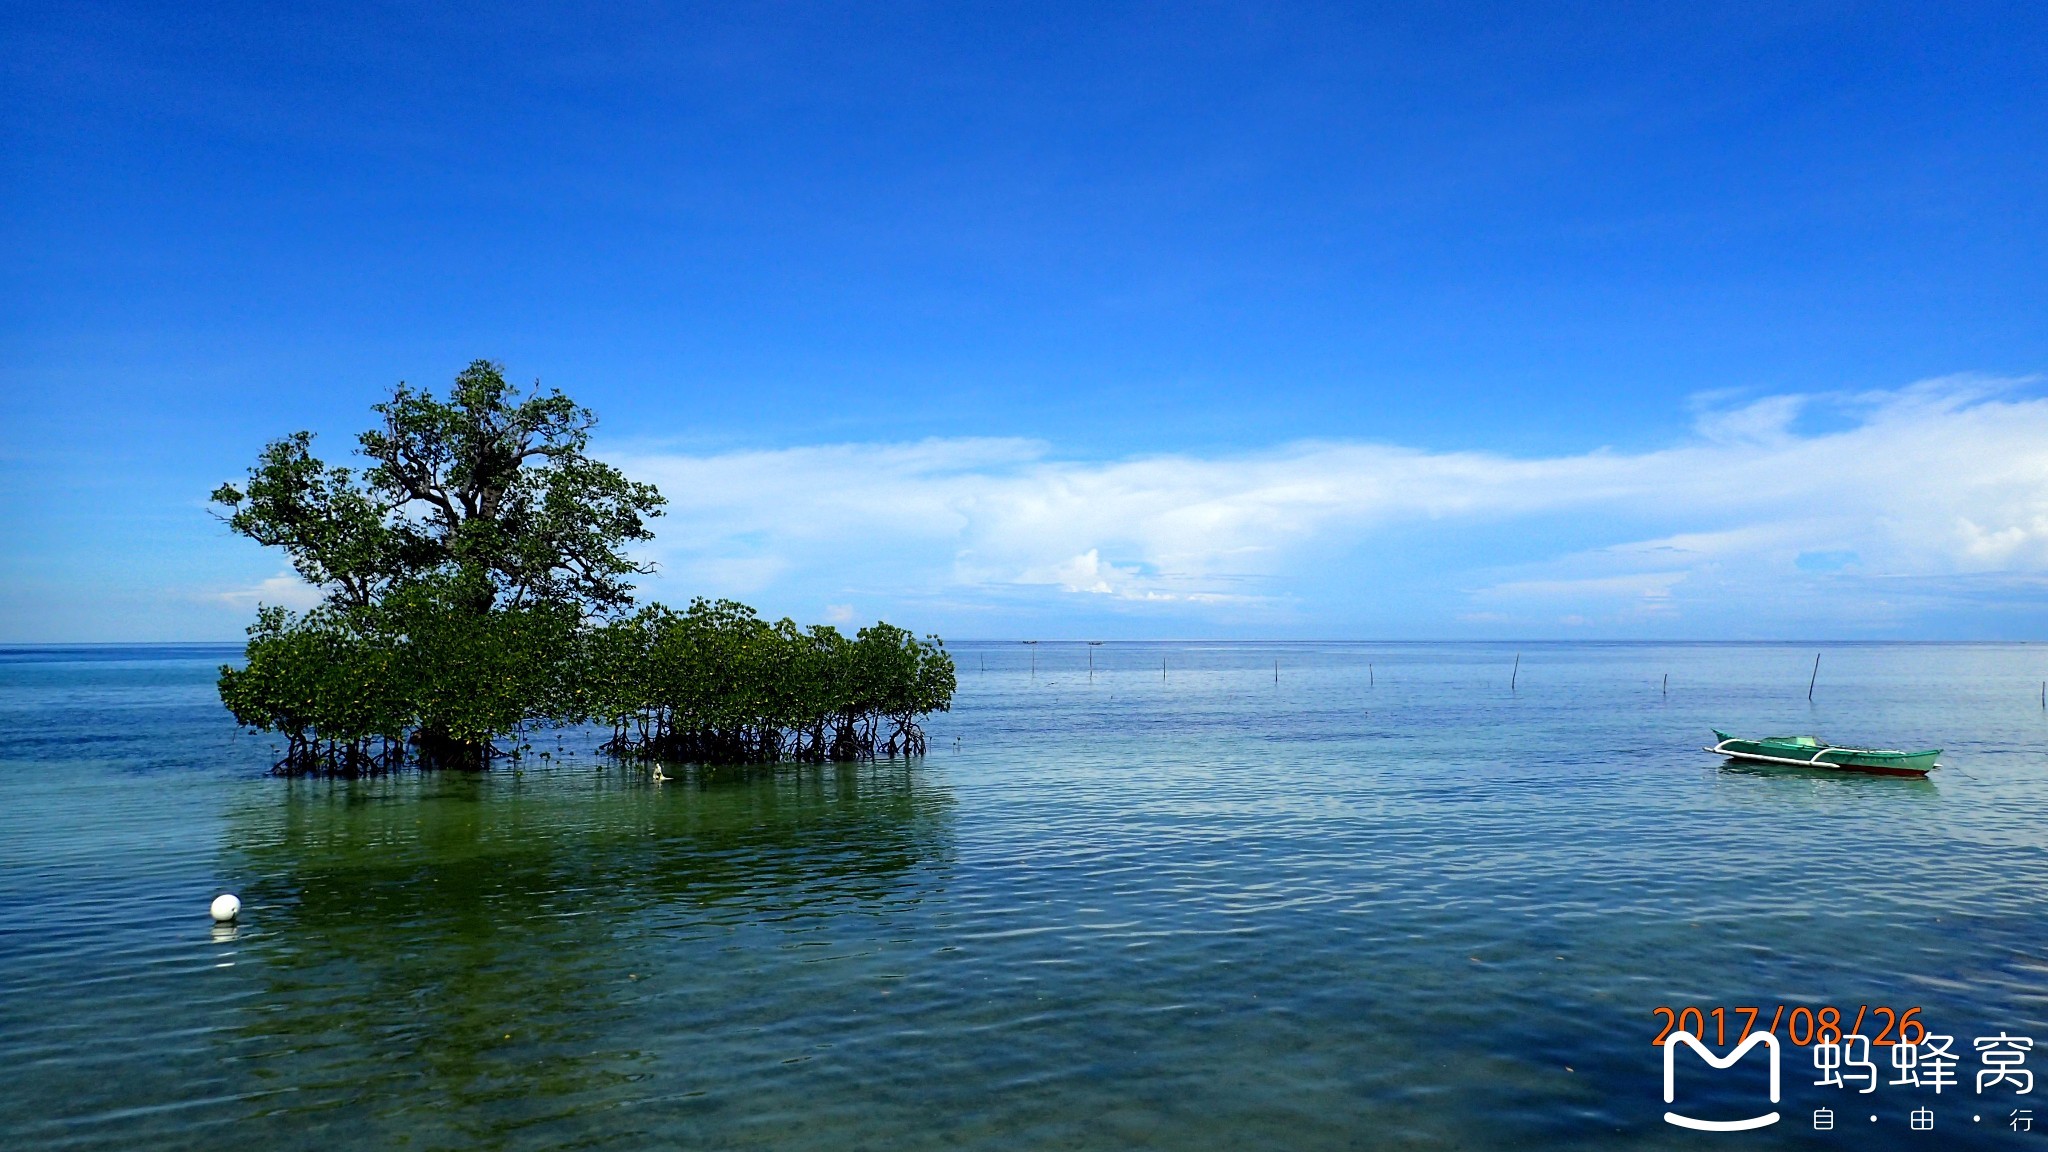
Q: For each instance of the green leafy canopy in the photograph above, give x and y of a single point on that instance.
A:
(486, 486)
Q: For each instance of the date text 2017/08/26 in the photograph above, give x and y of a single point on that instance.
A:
(1803, 1025)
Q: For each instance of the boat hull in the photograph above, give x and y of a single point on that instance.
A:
(1876, 761)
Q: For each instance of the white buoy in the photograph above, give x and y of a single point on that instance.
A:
(226, 907)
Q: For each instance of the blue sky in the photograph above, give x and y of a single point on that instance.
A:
(1088, 320)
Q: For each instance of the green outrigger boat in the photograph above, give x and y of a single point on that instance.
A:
(1812, 752)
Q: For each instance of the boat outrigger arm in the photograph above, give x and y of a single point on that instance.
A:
(1721, 749)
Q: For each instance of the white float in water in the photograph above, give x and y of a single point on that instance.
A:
(226, 907)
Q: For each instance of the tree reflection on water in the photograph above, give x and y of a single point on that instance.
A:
(454, 958)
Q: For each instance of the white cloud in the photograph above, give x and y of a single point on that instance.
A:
(1766, 421)
(1944, 479)
(1647, 587)
(284, 589)
(1083, 573)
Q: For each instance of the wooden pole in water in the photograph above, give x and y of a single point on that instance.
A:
(1516, 674)
(1371, 682)
(1667, 683)
(1811, 680)
(1276, 671)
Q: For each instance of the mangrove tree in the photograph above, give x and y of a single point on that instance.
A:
(475, 580)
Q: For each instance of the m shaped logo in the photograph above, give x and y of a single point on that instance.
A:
(1671, 1044)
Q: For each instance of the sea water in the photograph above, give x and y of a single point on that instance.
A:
(1197, 896)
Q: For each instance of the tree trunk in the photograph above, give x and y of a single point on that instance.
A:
(437, 749)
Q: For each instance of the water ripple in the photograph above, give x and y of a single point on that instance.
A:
(1404, 907)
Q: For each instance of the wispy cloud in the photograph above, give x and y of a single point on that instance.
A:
(1944, 479)
(284, 589)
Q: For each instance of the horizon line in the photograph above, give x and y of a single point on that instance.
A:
(6, 644)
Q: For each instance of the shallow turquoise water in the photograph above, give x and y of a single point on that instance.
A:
(1381, 901)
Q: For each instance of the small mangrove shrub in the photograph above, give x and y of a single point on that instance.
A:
(719, 684)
